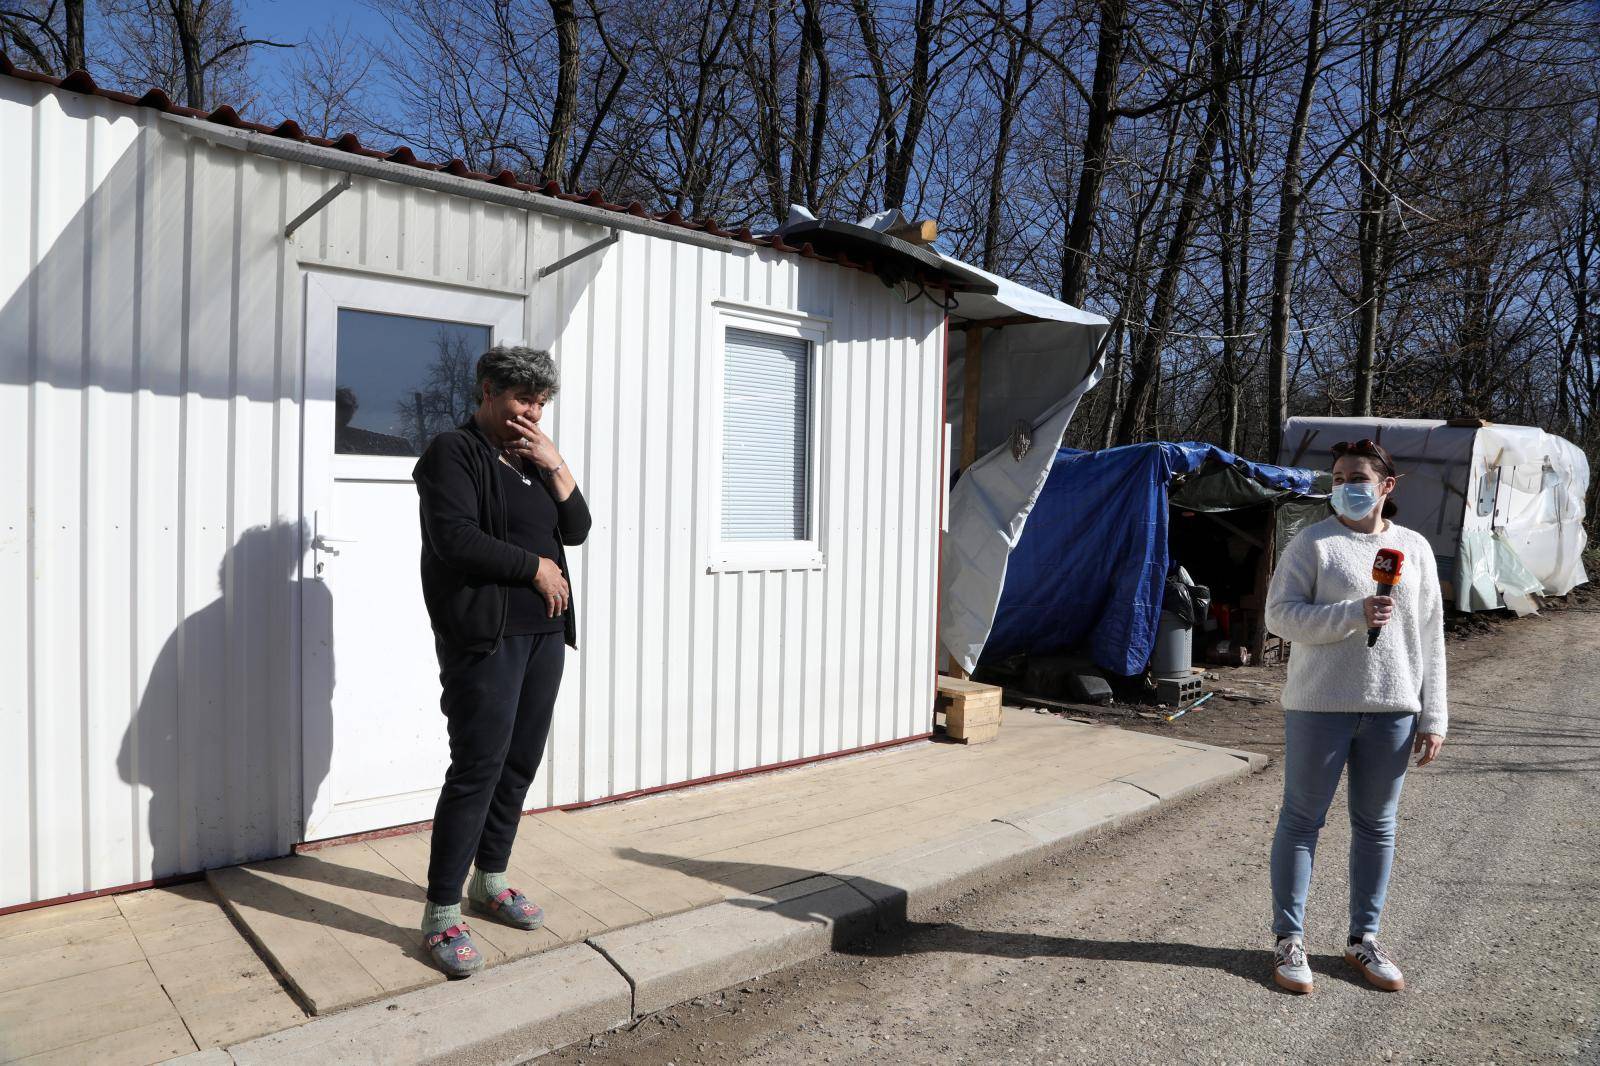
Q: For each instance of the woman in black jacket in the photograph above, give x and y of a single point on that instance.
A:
(498, 506)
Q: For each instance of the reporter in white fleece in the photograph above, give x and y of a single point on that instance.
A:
(1348, 705)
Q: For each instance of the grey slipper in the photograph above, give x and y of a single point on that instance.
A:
(511, 907)
(453, 951)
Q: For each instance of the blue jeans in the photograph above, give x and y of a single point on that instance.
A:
(1317, 747)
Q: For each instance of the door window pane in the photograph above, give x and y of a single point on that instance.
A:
(400, 381)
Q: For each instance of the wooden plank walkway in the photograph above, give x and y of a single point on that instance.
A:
(341, 922)
(144, 977)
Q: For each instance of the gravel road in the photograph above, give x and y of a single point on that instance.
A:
(1152, 945)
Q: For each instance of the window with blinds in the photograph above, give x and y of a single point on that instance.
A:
(766, 426)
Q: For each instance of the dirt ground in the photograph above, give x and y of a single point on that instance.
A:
(1245, 712)
(1152, 944)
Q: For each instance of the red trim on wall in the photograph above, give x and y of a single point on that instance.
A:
(137, 886)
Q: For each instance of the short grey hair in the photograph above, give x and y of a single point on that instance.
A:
(515, 367)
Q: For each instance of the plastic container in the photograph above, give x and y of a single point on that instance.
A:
(1184, 602)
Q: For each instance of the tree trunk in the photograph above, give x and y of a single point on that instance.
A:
(899, 145)
(186, 20)
(1290, 198)
(1010, 100)
(564, 115)
(1232, 325)
(802, 104)
(897, 174)
(75, 56)
(1096, 147)
(819, 115)
(1377, 171)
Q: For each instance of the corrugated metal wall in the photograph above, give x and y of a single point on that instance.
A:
(150, 527)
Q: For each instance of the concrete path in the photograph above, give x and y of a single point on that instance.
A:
(339, 923)
(650, 902)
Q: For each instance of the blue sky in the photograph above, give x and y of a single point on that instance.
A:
(298, 20)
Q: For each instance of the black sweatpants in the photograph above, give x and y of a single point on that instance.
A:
(498, 707)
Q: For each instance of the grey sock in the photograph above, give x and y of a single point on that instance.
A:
(485, 886)
(437, 917)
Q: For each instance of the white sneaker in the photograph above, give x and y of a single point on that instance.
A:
(1374, 964)
(1290, 968)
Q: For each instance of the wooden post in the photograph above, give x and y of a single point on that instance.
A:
(1263, 580)
(969, 396)
(970, 392)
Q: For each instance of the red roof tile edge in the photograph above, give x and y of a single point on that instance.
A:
(80, 81)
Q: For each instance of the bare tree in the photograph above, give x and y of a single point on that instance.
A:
(325, 83)
(1102, 116)
(1012, 90)
(448, 397)
(48, 36)
(900, 120)
(1143, 386)
(564, 114)
(196, 50)
(1291, 195)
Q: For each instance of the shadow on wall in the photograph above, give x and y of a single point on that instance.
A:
(211, 792)
(151, 375)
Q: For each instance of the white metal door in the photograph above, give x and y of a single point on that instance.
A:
(388, 365)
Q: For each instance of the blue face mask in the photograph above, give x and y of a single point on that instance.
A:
(1355, 501)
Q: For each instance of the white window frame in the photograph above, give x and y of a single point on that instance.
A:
(724, 556)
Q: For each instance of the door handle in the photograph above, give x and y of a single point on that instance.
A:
(326, 544)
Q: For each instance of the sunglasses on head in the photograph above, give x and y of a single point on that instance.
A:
(1364, 447)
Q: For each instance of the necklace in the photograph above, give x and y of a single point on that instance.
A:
(525, 479)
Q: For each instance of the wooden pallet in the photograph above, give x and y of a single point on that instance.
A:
(971, 711)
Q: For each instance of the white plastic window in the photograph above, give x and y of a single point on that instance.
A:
(766, 433)
(764, 500)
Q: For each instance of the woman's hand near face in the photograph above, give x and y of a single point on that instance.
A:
(552, 586)
(1378, 609)
(532, 443)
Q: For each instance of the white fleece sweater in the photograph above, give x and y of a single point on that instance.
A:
(1315, 602)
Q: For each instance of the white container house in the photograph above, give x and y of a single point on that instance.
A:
(220, 347)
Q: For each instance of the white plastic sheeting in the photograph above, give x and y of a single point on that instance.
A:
(1540, 483)
(1014, 299)
(1502, 506)
(1027, 368)
(1034, 373)
(988, 508)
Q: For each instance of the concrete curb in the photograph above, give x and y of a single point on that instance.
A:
(1182, 777)
(521, 1009)
(506, 1014)
(674, 959)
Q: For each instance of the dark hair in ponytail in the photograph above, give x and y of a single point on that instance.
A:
(1375, 456)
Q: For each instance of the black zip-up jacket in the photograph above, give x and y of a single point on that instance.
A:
(466, 560)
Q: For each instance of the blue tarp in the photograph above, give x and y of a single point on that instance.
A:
(1091, 564)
